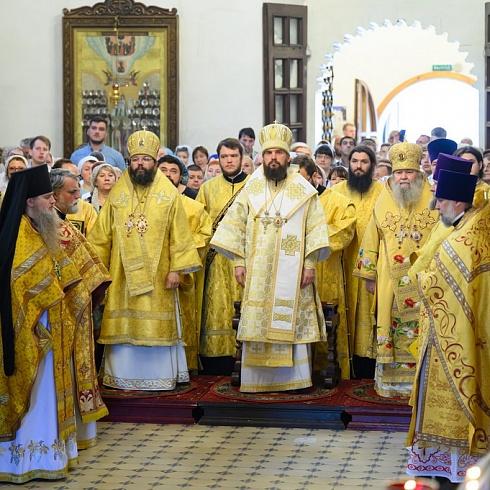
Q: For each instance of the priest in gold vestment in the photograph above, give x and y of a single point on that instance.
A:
(363, 191)
(400, 224)
(422, 257)
(48, 382)
(67, 194)
(450, 427)
(191, 285)
(142, 235)
(217, 344)
(276, 232)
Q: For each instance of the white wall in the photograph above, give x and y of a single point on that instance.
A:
(221, 73)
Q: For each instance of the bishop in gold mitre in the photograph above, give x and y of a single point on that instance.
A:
(275, 232)
(143, 237)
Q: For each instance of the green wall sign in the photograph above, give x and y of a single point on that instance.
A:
(442, 67)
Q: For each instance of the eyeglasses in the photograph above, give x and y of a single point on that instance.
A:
(139, 158)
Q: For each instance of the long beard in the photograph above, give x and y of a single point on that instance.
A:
(408, 196)
(143, 176)
(360, 183)
(48, 226)
(277, 174)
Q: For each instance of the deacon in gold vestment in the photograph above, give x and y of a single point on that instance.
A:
(48, 384)
(400, 224)
(143, 237)
(275, 232)
(217, 345)
(363, 191)
(450, 428)
(191, 285)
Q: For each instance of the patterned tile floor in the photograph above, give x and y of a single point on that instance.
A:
(144, 456)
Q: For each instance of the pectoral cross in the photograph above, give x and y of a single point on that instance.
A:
(401, 235)
(266, 222)
(129, 224)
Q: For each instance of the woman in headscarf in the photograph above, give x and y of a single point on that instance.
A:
(85, 168)
(103, 179)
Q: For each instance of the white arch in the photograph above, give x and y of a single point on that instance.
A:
(385, 57)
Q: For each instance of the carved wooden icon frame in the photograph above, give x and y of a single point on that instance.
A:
(120, 61)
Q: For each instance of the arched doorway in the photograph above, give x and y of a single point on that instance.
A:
(379, 57)
(426, 102)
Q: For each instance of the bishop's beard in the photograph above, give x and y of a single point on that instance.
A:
(408, 196)
(277, 174)
(142, 176)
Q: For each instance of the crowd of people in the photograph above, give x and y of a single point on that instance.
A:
(129, 275)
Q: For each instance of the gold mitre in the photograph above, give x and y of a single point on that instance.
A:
(143, 143)
(405, 156)
(275, 136)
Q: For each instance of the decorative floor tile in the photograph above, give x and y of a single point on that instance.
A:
(145, 456)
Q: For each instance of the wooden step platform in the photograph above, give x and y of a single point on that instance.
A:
(313, 408)
(379, 418)
(211, 400)
(273, 415)
(368, 411)
(175, 407)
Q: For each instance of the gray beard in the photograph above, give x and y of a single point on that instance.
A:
(432, 203)
(48, 226)
(68, 209)
(448, 219)
(407, 197)
(73, 208)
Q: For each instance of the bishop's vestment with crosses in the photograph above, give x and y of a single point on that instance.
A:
(274, 231)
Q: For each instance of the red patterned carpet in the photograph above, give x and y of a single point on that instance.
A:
(111, 393)
(223, 389)
(365, 392)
